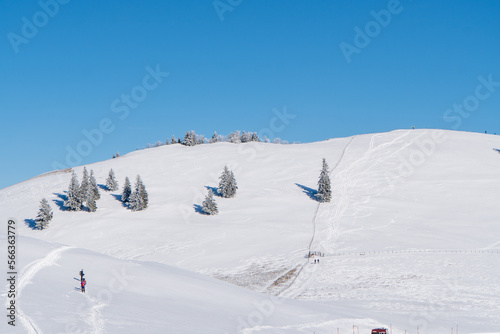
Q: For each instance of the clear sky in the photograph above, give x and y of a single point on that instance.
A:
(131, 73)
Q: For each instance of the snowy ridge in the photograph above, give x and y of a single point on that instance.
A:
(410, 239)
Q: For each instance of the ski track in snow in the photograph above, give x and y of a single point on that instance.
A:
(299, 277)
(26, 276)
(94, 318)
(346, 181)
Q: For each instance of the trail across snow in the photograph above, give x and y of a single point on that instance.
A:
(95, 318)
(26, 278)
(305, 273)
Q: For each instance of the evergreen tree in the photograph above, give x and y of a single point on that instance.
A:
(324, 188)
(127, 190)
(200, 139)
(234, 137)
(91, 201)
(139, 198)
(44, 215)
(215, 138)
(209, 205)
(73, 201)
(93, 186)
(111, 182)
(189, 138)
(245, 137)
(255, 137)
(84, 186)
(227, 184)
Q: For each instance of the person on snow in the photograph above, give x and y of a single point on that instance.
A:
(81, 275)
(84, 282)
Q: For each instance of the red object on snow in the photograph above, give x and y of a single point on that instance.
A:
(379, 331)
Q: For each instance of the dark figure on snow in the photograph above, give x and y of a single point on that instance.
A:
(84, 282)
(81, 275)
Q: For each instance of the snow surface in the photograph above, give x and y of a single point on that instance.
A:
(411, 239)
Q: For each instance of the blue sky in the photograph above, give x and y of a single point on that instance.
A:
(70, 66)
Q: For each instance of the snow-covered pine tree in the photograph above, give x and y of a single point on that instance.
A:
(84, 186)
(173, 140)
(209, 205)
(223, 181)
(189, 138)
(215, 138)
(255, 137)
(93, 186)
(245, 137)
(200, 139)
(227, 184)
(139, 198)
(44, 215)
(111, 182)
(73, 201)
(231, 185)
(91, 201)
(127, 190)
(324, 185)
(234, 137)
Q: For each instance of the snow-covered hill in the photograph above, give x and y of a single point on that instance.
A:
(411, 239)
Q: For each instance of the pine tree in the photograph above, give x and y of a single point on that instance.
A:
(44, 215)
(139, 198)
(111, 182)
(93, 186)
(189, 138)
(215, 138)
(173, 140)
(127, 190)
(324, 188)
(227, 184)
(91, 201)
(245, 137)
(209, 205)
(84, 186)
(200, 139)
(73, 201)
(255, 137)
(234, 137)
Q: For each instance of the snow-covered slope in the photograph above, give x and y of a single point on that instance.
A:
(411, 238)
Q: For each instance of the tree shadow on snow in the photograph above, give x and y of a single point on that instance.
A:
(31, 223)
(103, 187)
(308, 191)
(215, 190)
(198, 208)
(60, 202)
(119, 199)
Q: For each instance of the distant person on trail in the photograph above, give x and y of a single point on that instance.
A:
(84, 282)
(81, 275)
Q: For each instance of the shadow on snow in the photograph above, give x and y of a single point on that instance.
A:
(309, 192)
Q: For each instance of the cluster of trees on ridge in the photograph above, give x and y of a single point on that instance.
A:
(84, 196)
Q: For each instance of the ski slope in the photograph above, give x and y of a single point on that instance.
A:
(411, 239)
